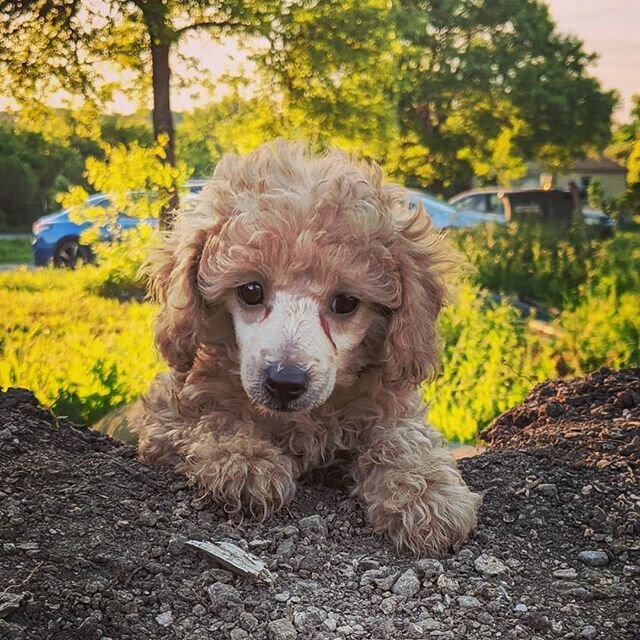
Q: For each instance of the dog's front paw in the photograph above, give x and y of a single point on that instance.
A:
(420, 501)
(425, 520)
(241, 473)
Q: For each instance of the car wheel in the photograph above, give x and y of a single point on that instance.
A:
(70, 253)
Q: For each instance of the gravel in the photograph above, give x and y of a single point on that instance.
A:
(92, 543)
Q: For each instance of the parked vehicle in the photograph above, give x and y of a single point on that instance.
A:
(56, 238)
(500, 205)
(443, 214)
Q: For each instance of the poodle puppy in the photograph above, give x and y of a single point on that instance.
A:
(298, 317)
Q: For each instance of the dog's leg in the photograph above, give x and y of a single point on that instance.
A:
(412, 489)
(241, 471)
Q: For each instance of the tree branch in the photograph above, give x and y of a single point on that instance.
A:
(209, 24)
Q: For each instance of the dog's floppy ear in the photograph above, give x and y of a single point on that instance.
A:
(173, 271)
(423, 261)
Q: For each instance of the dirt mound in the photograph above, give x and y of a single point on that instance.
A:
(92, 544)
(593, 420)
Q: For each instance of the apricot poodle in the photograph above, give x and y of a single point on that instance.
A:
(298, 317)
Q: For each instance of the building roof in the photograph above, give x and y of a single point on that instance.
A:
(597, 165)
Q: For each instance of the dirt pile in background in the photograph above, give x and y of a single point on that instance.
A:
(92, 542)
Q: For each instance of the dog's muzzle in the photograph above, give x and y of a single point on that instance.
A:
(284, 384)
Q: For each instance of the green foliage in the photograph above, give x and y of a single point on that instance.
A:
(30, 167)
(542, 263)
(80, 354)
(15, 250)
(117, 273)
(491, 361)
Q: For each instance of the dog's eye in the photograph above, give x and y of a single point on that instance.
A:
(343, 304)
(251, 293)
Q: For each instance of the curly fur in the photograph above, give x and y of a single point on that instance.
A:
(313, 226)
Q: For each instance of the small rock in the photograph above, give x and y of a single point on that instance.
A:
(407, 584)
(9, 602)
(238, 634)
(248, 621)
(382, 578)
(428, 567)
(165, 619)
(282, 597)
(286, 549)
(489, 565)
(631, 570)
(223, 595)
(594, 558)
(554, 409)
(547, 489)
(430, 624)
(520, 608)
(589, 632)
(307, 618)
(282, 629)
(565, 574)
(447, 584)
(313, 527)
(468, 602)
(388, 605)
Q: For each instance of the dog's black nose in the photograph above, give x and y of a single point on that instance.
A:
(285, 383)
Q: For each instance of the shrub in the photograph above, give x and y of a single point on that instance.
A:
(80, 354)
(546, 264)
(491, 361)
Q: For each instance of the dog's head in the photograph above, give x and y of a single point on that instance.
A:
(309, 271)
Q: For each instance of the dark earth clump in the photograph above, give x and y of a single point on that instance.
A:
(92, 542)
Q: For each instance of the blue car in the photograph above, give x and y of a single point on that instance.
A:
(443, 214)
(56, 238)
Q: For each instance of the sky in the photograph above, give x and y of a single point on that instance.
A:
(610, 28)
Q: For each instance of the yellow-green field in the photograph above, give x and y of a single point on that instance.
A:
(84, 354)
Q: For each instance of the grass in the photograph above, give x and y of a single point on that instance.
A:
(15, 251)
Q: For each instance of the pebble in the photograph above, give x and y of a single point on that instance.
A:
(594, 558)
(388, 605)
(238, 634)
(468, 602)
(521, 608)
(248, 621)
(407, 584)
(282, 629)
(547, 489)
(589, 632)
(165, 619)
(382, 578)
(313, 526)
(447, 583)
(489, 565)
(223, 595)
(282, 597)
(428, 567)
(631, 570)
(565, 574)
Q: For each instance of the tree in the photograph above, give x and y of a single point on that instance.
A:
(461, 60)
(30, 170)
(53, 44)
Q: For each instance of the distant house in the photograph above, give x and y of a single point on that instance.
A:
(611, 176)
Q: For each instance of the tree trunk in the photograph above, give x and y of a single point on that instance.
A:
(163, 118)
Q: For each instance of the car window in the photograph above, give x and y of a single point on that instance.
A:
(464, 203)
(495, 204)
(477, 202)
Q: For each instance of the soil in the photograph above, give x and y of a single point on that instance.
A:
(92, 542)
